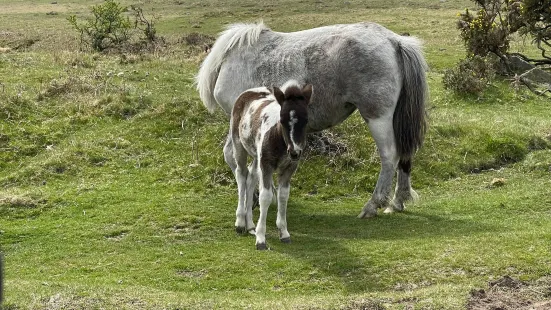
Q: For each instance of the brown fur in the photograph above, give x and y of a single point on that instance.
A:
(273, 148)
(241, 104)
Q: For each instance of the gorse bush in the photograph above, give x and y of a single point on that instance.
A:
(485, 33)
(489, 30)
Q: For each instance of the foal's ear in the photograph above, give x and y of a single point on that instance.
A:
(280, 97)
(307, 92)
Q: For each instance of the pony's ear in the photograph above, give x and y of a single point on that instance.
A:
(280, 97)
(307, 92)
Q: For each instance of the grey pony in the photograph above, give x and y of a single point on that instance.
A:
(361, 66)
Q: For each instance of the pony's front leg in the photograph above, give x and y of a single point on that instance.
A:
(383, 134)
(403, 192)
(265, 198)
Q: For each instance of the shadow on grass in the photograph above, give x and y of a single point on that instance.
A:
(361, 255)
(404, 225)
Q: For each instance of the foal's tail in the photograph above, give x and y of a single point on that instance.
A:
(235, 35)
(410, 119)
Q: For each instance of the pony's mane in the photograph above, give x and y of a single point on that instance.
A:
(235, 35)
(290, 86)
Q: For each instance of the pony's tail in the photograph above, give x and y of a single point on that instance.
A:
(235, 35)
(410, 119)
(205, 82)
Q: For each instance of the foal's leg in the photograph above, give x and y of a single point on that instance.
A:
(265, 198)
(284, 188)
(230, 160)
(252, 182)
(403, 192)
(228, 153)
(383, 133)
(241, 174)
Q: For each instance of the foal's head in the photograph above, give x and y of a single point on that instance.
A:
(294, 116)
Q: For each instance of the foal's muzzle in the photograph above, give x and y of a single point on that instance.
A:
(294, 155)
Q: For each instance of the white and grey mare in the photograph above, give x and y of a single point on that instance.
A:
(269, 126)
(362, 66)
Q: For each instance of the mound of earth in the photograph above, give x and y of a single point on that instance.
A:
(508, 293)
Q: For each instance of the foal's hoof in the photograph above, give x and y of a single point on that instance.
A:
(252, 231)
(262, 247)
(240, 230)
(285, 240)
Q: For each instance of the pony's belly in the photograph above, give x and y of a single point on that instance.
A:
(320, 119)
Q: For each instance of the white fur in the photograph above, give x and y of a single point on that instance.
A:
(290, 83)
(235, 35)
(281, 222)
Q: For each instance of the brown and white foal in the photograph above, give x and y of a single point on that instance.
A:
(270, 126)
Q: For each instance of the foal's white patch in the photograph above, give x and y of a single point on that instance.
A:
(270, 116)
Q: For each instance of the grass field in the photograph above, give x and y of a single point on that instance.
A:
(114, 193)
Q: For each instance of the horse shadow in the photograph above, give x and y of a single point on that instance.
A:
(327, 243)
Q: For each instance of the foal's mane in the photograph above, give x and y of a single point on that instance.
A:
(239, 35)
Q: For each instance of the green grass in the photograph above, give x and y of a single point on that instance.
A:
(114, 193)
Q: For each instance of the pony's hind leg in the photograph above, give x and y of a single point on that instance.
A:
(403, 192)
(383, 133)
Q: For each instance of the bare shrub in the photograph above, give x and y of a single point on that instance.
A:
(470, 76)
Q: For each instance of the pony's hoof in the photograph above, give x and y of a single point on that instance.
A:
(396, 206)
(286, 240)
(252, 231)
(261, 247)
(240, 230)
(389, 210)
(365, 214)
(413, 195)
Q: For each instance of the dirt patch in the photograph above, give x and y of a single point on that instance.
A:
(194, 274)
(63, 302)
(508, 293)
(59, 301)
(19, 202)
(364, 304)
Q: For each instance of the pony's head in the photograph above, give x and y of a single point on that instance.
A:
(293, 117)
